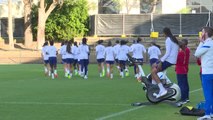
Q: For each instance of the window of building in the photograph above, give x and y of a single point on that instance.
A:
(150, 6)
(108, 7)
(200, 6)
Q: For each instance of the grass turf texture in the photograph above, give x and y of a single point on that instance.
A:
(26, 94)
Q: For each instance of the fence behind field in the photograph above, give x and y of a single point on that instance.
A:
(142, 24)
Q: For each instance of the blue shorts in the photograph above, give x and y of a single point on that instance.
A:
(52, 61)
(79, 61)
(165, 65)
(75, 61)
(152, 61)
(110, 62)
(69, 60)
(64, 61)
(46, 61)
(122, 62)
(139, 59)
(116, 60)
(84, 62)
(100, 60)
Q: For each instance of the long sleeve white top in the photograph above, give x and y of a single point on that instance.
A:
(109, 52)
(63, 51)
(171, 51)
(44, 53)
(75, 52)
(122, 52)
(52, 51)
(116, 47)
(84, 51)
(138, 50)
(100, 49)
(154, 52)
(205, 52)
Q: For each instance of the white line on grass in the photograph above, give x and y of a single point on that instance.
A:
(45, 103)
(195, 90)
(133, 109)
(119, 113)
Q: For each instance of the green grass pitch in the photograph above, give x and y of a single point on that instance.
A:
(26, 94)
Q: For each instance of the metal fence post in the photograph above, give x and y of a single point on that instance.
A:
(95, 25)
(180, 24)
(123, 17)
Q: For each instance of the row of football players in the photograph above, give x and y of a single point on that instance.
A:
(118, 54)
(77, 57)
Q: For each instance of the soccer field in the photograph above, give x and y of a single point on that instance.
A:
(26, 94)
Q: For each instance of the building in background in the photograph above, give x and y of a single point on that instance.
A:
(18, 8)
(154, 6)
(127, 7)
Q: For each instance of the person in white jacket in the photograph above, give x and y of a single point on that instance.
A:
(205, 52)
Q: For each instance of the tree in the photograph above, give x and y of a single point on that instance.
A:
(27, 23)
(68, 22)
(10, 24)
(130, 4)
(44, 11)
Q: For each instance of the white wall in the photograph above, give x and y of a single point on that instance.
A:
(172, 6)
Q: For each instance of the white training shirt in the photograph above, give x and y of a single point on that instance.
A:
(75, 52)
(138, 50)
(84, 51)
(171, 51)
(109, 51)
(63, 51)
(44, 52)
(100, 49)
(51, 50)
(123, 50)
(154, 52)
(116, 47)
(69, 55)
(205, 52)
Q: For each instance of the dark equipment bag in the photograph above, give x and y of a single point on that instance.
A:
(191, 111)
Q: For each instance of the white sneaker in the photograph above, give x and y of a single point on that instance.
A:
(211, 115)
(111, 76)
(53, 76)
(66, 75)
(205, 117)
(85, 77)
(122, 74)
(161, 93)
(155, 94)
(136, 75)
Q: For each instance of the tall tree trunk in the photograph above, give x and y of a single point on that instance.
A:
(42, 17)
(28, 37)
(10, 24)
(154, 6)
(41, 28)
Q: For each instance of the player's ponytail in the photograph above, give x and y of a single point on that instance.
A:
(45, 44)
(169, 34)
(69, 47)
